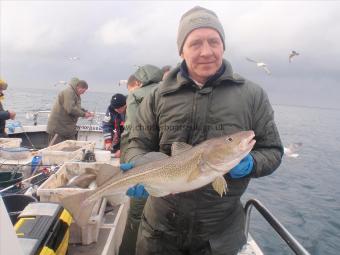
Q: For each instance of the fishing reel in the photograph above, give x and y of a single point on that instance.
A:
(88, 156)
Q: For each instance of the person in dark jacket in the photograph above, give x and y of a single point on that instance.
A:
(67, 109)
(140, 84)
(4, 115)
(113, 124)
(200, 99)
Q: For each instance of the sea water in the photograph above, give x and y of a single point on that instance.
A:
(303, 193)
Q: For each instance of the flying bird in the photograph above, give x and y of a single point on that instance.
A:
(292, 149)
(60, 83)
(122, 83)
(293, 54)
(260, 64)
(73, 58)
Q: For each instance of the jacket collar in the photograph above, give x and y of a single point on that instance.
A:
(179, 77)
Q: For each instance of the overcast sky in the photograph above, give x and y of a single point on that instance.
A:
(111, 38)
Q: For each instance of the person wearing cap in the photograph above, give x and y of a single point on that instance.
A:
(140, 84)
(113, 123)
(200, 99)
(4, 115)
(66, 110)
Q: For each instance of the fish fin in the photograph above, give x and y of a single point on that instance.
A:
(106, 172)
(91, 170)
(156, 192)
(220, 185)
(79, 206)
(179, 147)
(194, 174)
(69, 182)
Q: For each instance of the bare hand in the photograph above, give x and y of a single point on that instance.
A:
(89, 114)
(12, 115)
(117, 154)
(108, 146)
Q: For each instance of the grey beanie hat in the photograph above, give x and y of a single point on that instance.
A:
(197, 17)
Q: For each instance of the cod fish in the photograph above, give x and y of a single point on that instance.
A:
(188, 168)
(81, 181)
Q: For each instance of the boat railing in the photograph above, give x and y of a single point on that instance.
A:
(98, 117)
(293, 244)
(35, 115)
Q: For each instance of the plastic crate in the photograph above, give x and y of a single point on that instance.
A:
(50, 192)
(20, 165)
(89, 233)
(68, 150)
(15, 153)
(10, 142)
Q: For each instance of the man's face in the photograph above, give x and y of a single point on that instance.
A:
(121, 109)
(203, 53)
(81, 90)
(134, 85)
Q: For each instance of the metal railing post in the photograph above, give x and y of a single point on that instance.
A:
(276, 225)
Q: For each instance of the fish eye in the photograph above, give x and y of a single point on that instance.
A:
(229, 139)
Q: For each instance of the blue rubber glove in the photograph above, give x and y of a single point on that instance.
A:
(243, 168)
(138, 190)
(126, 166)
(12, 125)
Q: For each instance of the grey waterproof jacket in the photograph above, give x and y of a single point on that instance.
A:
(179, 110)
(150, 76)
(65, 112)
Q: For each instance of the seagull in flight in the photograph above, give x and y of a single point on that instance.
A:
(292, 149)
(260, 64)
(122, 83)
(293, 54)
(74, 58)
(60, 83)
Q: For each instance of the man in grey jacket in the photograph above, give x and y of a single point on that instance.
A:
(200, 99)
(140, 84)
(67, 109)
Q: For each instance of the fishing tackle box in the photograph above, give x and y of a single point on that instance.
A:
(44, 229)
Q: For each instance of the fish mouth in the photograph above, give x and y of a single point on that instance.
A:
(248, 142)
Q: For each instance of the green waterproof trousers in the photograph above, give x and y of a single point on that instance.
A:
(128, 245)
(153, 242)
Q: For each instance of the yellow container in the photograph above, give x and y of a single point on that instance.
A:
(44, 229)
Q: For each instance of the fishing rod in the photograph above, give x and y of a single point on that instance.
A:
(24, 131)
(29, 178)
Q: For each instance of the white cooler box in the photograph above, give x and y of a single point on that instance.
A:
(50, 192)
(69, 150)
